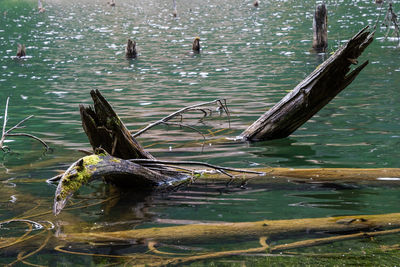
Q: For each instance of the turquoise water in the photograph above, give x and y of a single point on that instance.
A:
(251, 57)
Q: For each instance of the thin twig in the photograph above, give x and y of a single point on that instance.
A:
(186, 126)
(17, 126)
(144, 161)
(181, 111)
(31, 136)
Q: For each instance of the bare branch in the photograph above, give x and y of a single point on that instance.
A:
(186, 126)
(5, 118)
(5, 133)
(31, 136)
(221, 103)
(17, 126)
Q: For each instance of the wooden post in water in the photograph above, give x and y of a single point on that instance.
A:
(320, 29)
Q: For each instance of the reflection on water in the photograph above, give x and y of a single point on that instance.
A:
(251, 57)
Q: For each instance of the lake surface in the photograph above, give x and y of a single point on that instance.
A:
(251, 57)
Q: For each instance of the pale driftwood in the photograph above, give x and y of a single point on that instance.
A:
(320, 29)
(312, 94)
(106, 130)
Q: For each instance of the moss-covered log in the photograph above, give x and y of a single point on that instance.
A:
(240, 231)
(312, 94)
(122, 173)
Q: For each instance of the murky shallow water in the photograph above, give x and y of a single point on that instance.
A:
(251, 57)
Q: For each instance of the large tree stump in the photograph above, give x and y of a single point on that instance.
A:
(312, 94)
(320, 29)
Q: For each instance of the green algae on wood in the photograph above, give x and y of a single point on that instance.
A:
(122, 173)
(79, 173)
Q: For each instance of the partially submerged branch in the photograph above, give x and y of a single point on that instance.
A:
(220, 102)
(312, 94)
(6, 133)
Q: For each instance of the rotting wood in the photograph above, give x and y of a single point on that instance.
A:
(114, 170)
(240, 231)
(106, 130)
(320, 29)
(312, 94)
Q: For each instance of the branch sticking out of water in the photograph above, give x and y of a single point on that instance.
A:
(6, 133)
(222, 107)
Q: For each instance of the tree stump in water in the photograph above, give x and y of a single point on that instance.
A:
(320, 29)
(106, 130)
(312, 94)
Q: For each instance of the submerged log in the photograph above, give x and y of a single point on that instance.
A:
(320, 29)
(106, 130)
(240, 231)
(321, 175)
(312, 94)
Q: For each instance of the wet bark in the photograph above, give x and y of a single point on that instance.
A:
(320, 29)
(312, 94)
(106, 130)
(123, 173)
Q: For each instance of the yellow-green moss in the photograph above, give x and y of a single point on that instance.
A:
(115, 160)
(79, 175)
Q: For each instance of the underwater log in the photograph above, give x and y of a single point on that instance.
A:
(312, 94)
(239, 231)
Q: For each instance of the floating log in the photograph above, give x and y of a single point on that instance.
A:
(320, 29)
(240, 231)
(312, 94)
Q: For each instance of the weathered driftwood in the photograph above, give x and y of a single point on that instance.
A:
(320, 29)
(312, 94)
(241, 231)
(106, 130)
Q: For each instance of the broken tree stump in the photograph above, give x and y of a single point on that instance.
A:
(312, 94)
(320, 29)
(106, 130)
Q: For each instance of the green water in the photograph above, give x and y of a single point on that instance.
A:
(251, 57)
